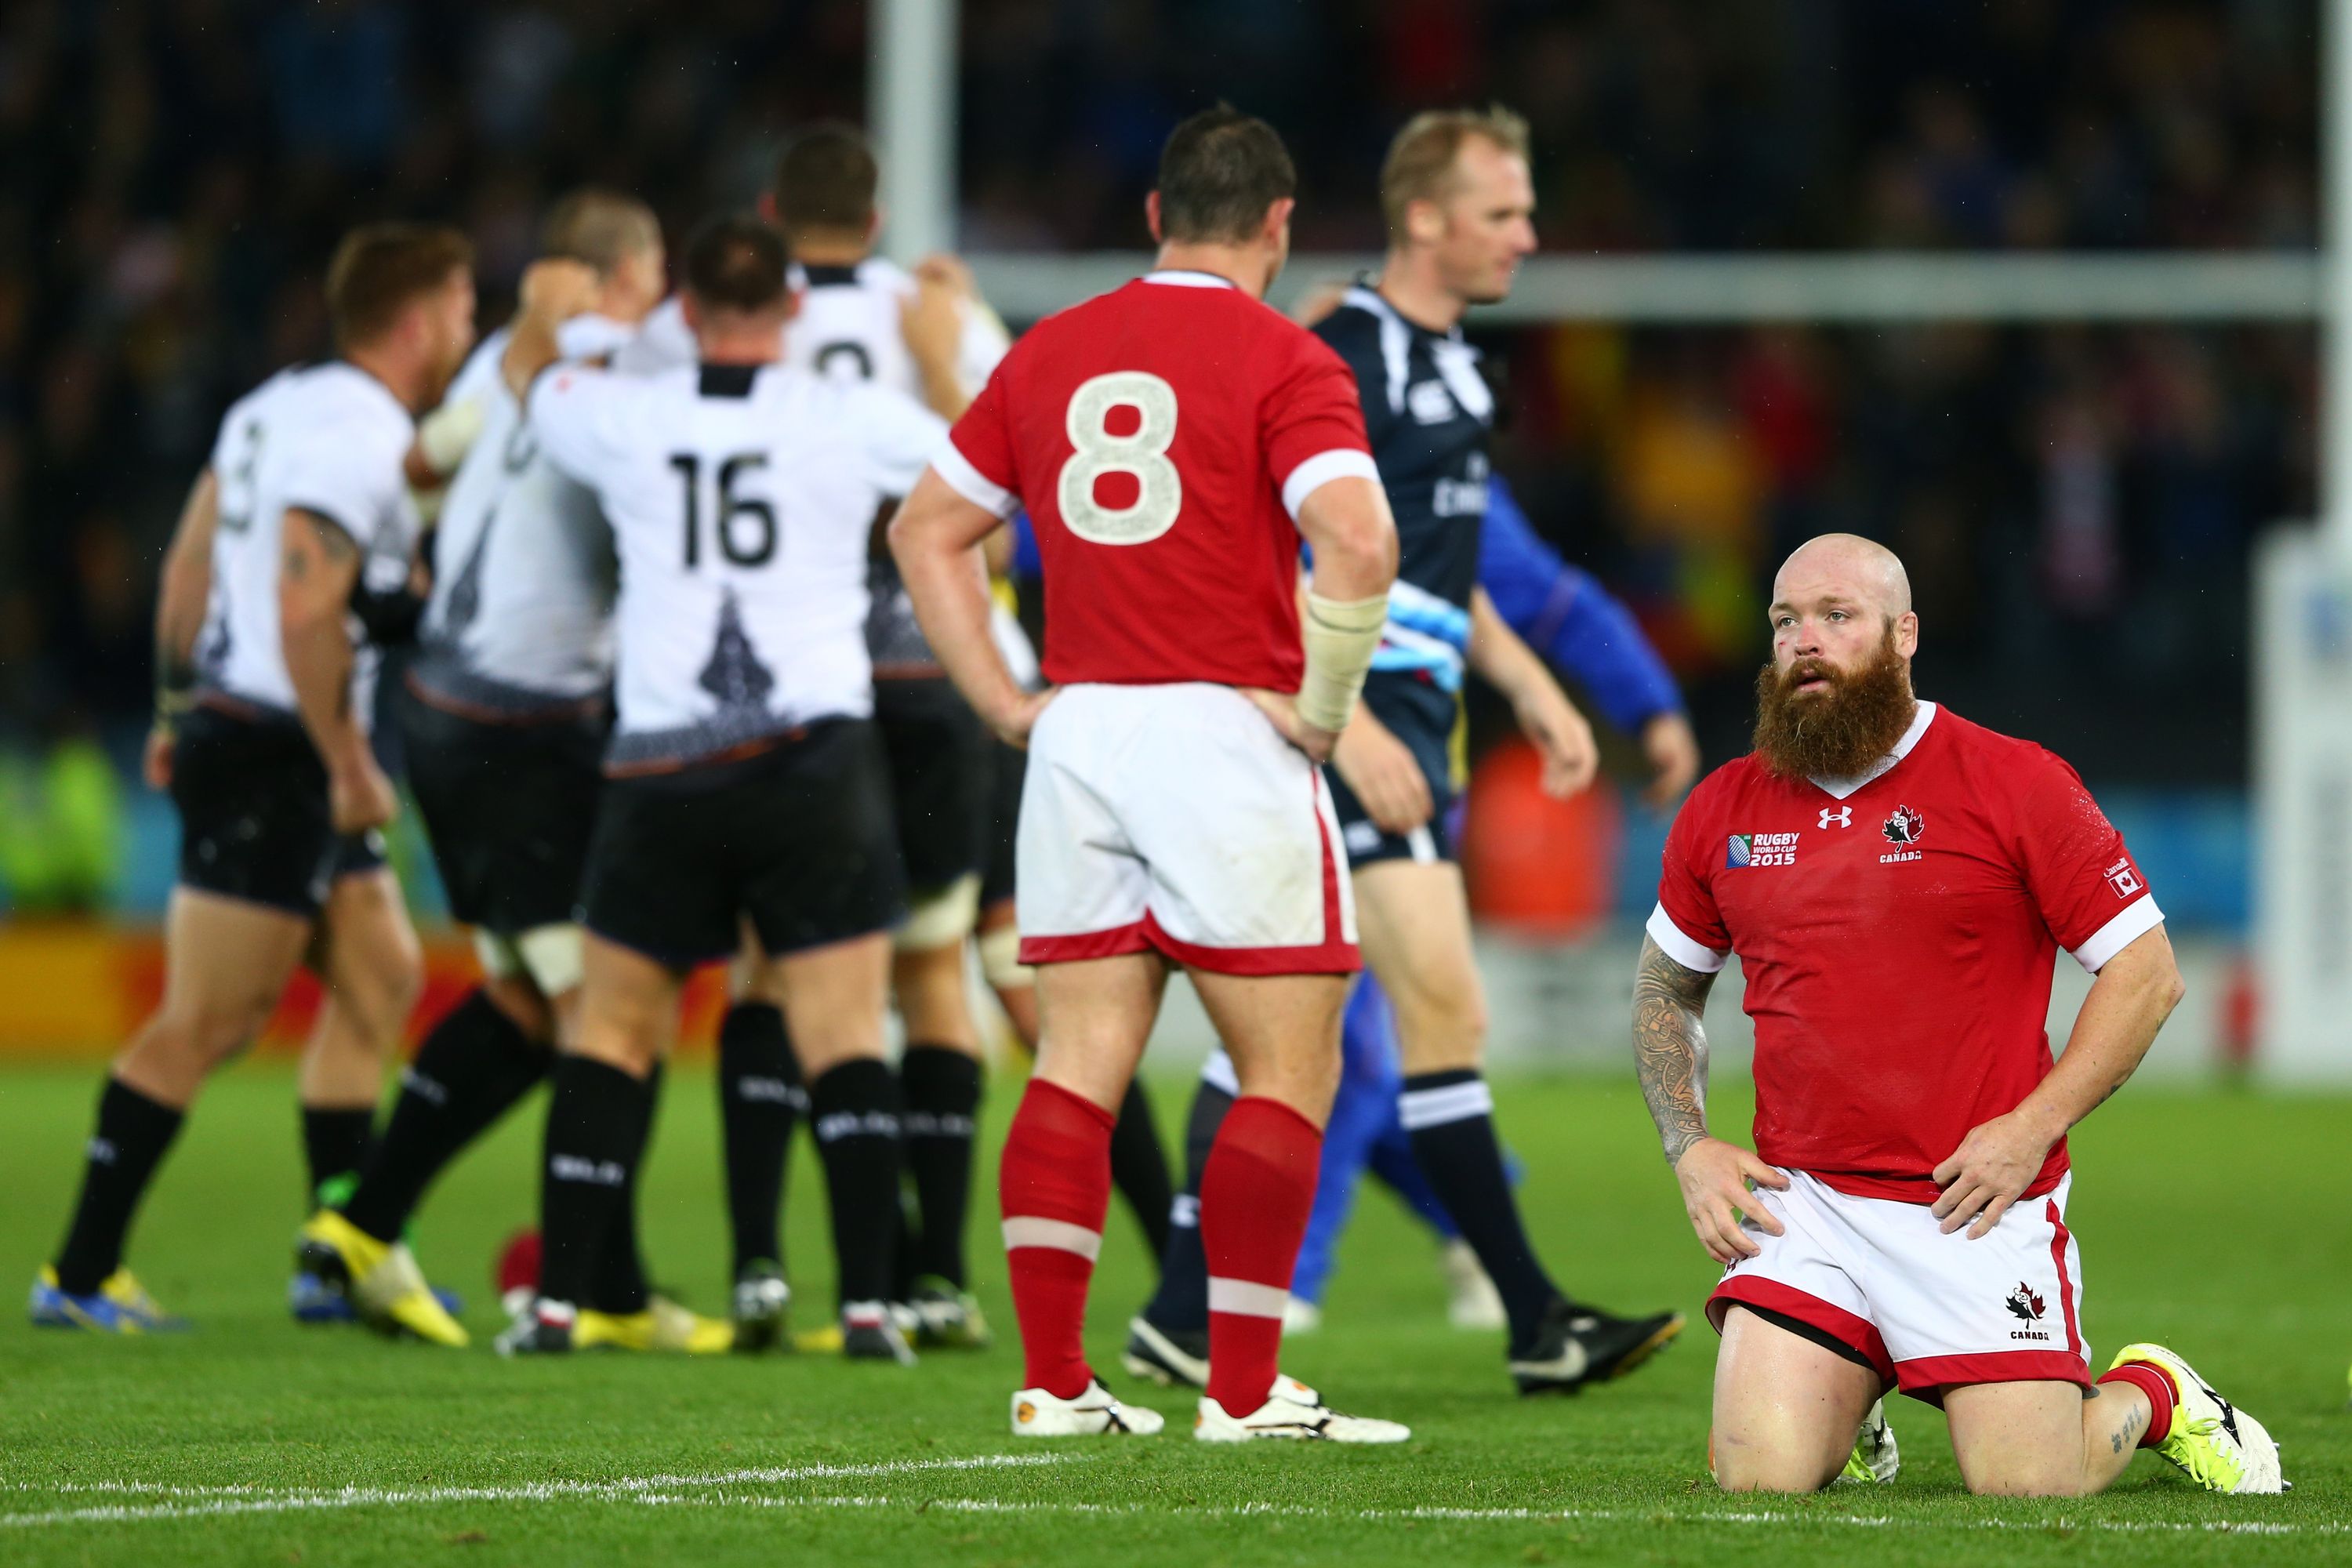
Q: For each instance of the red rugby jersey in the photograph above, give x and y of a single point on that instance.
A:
(1163, 437)
(1897, 936)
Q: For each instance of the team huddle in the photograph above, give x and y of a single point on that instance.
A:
(708, 656)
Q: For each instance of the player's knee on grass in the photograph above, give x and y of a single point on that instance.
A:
(2022, 1439)
(1786, 1408)
(1741, 1467)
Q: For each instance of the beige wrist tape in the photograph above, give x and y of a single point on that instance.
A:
(1340, 638)
(446, 433)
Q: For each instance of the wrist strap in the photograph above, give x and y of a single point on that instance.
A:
(1341, 637)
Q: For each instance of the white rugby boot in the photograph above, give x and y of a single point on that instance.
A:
(1875, 1458)
(1095, 1413)
(1292, 1411)
(2220, 1446)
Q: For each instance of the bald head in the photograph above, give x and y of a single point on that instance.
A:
(1860, 568)
(1836, 601)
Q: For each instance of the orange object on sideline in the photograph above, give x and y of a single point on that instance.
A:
(1540, 866)
(73, 989)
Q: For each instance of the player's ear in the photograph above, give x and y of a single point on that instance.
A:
(873, 224)
(691, 308)
(767, 206)
(1278, 222)
(1906, 633)
(1151, 216)
(1424, 221)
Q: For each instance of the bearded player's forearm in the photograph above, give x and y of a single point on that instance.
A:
(1670, 1046)
(2135, 993)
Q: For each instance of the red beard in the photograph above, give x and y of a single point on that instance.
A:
(1838, 732)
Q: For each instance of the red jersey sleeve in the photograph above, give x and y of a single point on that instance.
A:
(1311, 423)
(2088, 888)
(1686, 925)
(978, 459)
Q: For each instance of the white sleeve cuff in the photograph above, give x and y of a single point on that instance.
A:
(2138, 918)
(971, 484)
(1339, 463)
(1695, 956)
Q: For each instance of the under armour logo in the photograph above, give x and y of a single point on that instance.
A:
(1841, 816)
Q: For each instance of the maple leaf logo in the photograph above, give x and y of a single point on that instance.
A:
(2025, 1304)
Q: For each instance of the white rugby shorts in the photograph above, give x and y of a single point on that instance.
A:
(1175, 818)
(1928, 1310)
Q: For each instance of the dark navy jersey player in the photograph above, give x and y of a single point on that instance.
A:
(1459, 201)
(1429, 413)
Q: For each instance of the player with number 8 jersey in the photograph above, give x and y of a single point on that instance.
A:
(1162, 475)
(1173, 441)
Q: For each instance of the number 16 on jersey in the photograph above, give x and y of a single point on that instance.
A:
(747, 527)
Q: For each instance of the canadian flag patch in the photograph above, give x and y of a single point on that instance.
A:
(2124, 877)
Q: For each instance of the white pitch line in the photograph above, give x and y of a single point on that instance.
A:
(672, 1490)
(1634, 1516)
(242, 1499)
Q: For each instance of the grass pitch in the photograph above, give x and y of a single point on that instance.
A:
(2212, 1222)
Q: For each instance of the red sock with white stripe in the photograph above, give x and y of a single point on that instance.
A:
(1256, 1191)
(2162, 1397)
(1054, 1187)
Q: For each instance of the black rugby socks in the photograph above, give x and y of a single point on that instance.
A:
(131, 1135)
(335, 1142)
(596, 1122)
(854, 1110)
(1180, 1305)
(469, 1072)
(760, 1099)
(1450, 1117)
(941, 1089)
(1139, 1167)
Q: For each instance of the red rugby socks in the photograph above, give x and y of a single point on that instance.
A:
(1054, 1187)
(1255, 1194)
(2162, 1399)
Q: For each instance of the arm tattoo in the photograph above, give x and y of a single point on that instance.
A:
(1670, 1046)
(336, 545)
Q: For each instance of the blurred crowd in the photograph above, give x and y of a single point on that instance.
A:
(2077, 503)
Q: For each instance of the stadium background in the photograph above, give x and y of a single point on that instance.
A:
(2083, 502)
(2077, 500)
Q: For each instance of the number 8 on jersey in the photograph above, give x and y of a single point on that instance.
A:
(1142, 453)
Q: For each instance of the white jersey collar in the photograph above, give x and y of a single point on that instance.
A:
(1838, 789)
(1186, 278)
(591, 336)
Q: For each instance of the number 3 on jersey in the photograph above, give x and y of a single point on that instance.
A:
(1143, 454)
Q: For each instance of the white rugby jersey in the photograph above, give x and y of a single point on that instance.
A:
(520, 616)
(328, 438)
(741, 501)
(848, 328)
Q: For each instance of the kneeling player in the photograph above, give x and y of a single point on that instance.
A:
(745, 779)
(1896, 881)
